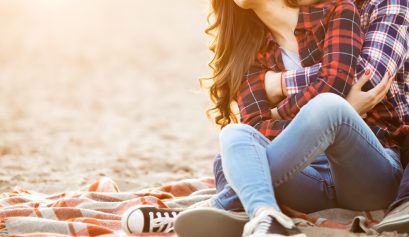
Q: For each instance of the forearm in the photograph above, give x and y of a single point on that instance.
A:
(342, 45)
(255, 109)
(275, 87)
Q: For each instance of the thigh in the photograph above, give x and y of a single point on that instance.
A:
(369, 180)
(310, 190)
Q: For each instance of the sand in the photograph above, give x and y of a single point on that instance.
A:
(92, 88)
(103, 88)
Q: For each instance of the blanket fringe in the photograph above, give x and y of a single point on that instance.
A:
(4, 232)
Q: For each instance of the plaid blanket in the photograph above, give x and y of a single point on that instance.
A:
(97, 210)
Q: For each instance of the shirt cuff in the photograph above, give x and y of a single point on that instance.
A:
(289, 82)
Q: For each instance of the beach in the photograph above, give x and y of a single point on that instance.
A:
(103, 88)
(94, 88)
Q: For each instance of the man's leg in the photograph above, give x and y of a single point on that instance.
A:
(403, 194)
(397, 218)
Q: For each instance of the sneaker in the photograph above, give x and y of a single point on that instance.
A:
(205, 222)
(271, 223)
(142, 219)
(396, 220)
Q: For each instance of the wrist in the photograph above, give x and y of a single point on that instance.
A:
(273, 83)
(275, 115)
(283, 84)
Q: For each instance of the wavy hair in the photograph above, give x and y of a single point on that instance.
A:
(238, 35)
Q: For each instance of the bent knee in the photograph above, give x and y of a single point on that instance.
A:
(329, 103)
(234, 132)
(329, 99)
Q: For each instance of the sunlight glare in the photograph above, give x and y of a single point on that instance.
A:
(51, 4)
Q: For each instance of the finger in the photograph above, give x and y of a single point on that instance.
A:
(390, 81)
(363, 79)
(383, 87)
(378, 92)
(389, 84)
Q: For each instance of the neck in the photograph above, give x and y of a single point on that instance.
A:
(279, 18)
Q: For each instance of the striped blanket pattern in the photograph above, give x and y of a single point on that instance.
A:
(97, 210)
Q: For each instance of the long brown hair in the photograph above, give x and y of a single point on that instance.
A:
(238, 35)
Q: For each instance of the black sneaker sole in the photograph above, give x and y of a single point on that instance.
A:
(399, 224)
(206, 222)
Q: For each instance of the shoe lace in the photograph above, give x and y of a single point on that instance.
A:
(161, 223)
(263, 226)
(262, 223)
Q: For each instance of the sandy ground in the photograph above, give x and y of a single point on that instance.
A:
(103, 88)
(92, 88)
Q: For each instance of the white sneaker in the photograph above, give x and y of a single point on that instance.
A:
(271, 223)
(142, 219)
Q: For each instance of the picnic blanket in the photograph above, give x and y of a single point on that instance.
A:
(97, 209)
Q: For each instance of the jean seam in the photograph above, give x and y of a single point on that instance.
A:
(218, 204)
(255, 139)
(258, 155)
(313, 177)
(256, 136)
(228, 194)
(290, 173)
(319, 180)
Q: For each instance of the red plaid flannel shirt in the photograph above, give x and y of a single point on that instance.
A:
(327, 33)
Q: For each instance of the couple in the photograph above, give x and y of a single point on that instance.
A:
(311, 136)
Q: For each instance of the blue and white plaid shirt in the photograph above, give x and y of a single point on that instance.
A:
(386, 48)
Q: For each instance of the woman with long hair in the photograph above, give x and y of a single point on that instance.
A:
(311, 151)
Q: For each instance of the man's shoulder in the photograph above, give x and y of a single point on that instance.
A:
(374, 11)
(386, 6)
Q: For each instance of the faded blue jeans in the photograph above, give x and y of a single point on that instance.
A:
(326, 157)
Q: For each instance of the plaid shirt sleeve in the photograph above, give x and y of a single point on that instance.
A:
(385, 47)
(342, 45)
(297, 80)
(254, 107)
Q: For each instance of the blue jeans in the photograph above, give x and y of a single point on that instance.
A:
(326, 157)
(403, 194)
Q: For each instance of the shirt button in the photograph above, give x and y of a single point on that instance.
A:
(341, 71)
(298, 32)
